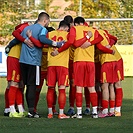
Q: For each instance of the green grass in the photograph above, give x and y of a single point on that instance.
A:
(122, 124)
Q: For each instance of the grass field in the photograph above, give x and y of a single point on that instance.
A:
(122, 124)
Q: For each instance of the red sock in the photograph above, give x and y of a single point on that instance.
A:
(62, 98)
(36, 100)
(87, 97)
(111, 103)
(19, 97)
(12, 95)
(72, 95)
(118, 97)
(6, 98)
(54, 102)
(79, 99)
(93, 99)
(50, 97)
(105, 104)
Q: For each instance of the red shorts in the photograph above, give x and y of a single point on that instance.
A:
(84, 74)
(43, 76)
(57, 74)
(97, 71)
(70, 69)
(13, 69)
(120, 69)
(108, 72)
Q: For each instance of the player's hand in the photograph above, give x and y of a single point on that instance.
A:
(29, 43)
(29, 33)
(113, 52)
(108, 46)
(60, 44)
(89, 33)
(7, 49)
(85, 45)
(55, 52)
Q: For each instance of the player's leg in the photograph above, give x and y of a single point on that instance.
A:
(7, 108)
(79, 75)
(118, 88)
(87, 100)
(62, 79)
(38, 89)
(72, 90)
(111, 100)
(51, 82)
(90, 82)
(14, 78)
(30, 75)
(105, 100)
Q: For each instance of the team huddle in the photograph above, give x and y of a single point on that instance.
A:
(75, 55)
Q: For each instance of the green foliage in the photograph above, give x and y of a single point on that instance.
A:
(109, 9)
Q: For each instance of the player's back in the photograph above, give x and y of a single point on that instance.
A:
(62, 58)
(32, 55)
(105, 57)
(86, 54)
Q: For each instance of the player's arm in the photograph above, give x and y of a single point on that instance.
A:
(70, 40)
(112, 38)
(97, 38)
(17, 32)
(104, 49)
(43, 39)
(82, 42)
(18, 38)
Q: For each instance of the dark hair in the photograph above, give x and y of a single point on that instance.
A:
(50, 29)
(42, 15)
(63, 23)
(68, 19)
(79, 20)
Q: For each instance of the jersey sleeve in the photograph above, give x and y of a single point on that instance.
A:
(36, 42)
(43, 37)
(17, 33)
(104, 49)
(70, 41)
(97, 39)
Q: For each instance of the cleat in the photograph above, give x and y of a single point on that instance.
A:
(23, 114)
(86, 112)
(117, 113)
(79, 116)
(63, 116)
(6, 114)
(50, 116)
(94, 115)
(71, 112)
(35, 115)
(111, 114)
(55, 112)
(16, 114)
(101, 115)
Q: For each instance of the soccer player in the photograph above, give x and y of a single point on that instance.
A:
(120, 75)
(72, 89)
(15, 92)
(108, 77)
(83, 63)
(58, 68)
(44, 64)
(30, 59)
